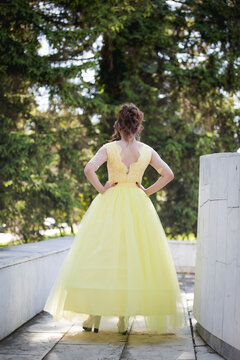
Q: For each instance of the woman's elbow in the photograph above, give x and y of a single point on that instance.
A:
(87, 170)
(171, 175)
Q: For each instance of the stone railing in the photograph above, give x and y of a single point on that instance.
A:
(26, 274)
(217, 275)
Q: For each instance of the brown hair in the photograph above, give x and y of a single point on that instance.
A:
(130, 119)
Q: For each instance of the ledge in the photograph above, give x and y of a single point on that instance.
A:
(17, 254)
(9, 256)
(27, 273)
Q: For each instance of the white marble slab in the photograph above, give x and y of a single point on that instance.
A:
(217, 286)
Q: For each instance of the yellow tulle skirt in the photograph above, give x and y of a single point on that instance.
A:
(119, 264)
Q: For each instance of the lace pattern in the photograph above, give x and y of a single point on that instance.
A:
(110, 152)
(99, 158)
(116, 169)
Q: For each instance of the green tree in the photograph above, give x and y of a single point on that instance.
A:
(179, 64)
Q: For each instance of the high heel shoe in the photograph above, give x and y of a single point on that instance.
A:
(92, 320)
(123, 324)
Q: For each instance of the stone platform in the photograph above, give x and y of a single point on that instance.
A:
(41, 338)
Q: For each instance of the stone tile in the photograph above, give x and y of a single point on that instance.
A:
(34, 344)
(163, 340)
(43, 322)
(139, 327)
(185, 331)
(163, 347)
(207, 353)
(156, 352)
(80, 337)
(92, 352)
(197, 338)
(204, 352)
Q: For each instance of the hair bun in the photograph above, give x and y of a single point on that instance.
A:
(130, 119)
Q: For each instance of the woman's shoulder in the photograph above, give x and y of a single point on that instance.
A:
(112, 143)
(109, 147)
(146, 146)
(108, 144)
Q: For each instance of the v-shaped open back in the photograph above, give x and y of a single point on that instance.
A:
(127, 169)
(118, 171)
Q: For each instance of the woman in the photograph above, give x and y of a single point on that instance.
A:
(120, 262)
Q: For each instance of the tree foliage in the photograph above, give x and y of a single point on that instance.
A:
(178, 61)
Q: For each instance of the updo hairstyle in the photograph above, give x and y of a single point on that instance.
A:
(130, 119)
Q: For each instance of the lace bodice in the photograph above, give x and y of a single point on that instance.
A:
(118, 171)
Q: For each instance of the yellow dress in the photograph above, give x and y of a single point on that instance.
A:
(120, 263)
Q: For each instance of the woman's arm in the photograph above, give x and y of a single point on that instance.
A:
(162, 168)
(92, 166)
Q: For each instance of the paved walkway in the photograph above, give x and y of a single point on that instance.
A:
(41, 338)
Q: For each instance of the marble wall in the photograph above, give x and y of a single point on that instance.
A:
(217, 272)
(27, 273)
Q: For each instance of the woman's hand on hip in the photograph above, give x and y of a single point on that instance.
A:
(141, 187)
(107, 185)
